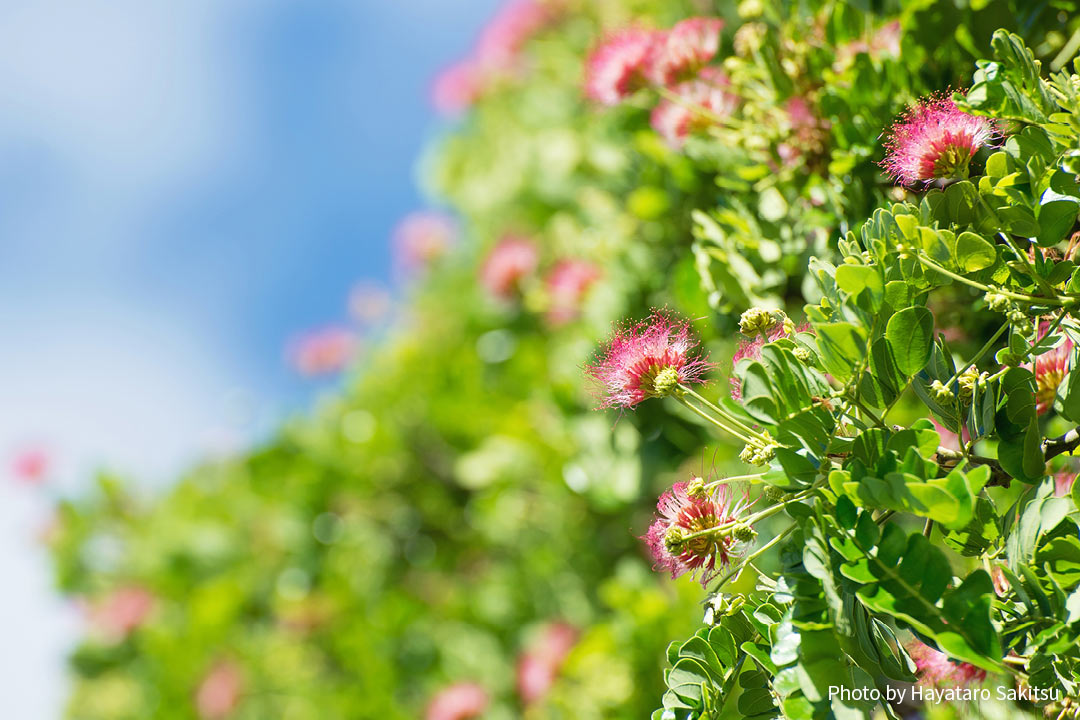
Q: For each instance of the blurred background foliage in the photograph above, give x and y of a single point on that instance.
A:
(427, 524)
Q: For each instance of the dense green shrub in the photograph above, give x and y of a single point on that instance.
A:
(458, 501)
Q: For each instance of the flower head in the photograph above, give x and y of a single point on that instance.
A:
(567, 284)
(934, 139)
(458, 86)
(368, 303)
(457, 702)
(509, 262)
(616, 68)
(422, 237)
(701, 103)
(122, 611)
(937, 669)
(539, 665)
(219, 691)
(680, 52)
(648, 359)
(506, 33)
(1050, 370)
(697, 533)
(30, 465)
(323, 352)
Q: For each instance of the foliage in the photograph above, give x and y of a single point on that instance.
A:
(421, 527)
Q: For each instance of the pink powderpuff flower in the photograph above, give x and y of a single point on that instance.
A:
(457, 87)
(539, 666)
(679, 53)
(457, 702)
(368, 303)
(512, 260)
(422, 237)
(752, 349)
(700, 105)
(1050, 370)
(30, 465)
(1063, 482)
(122, 611)
(647, 359)
(934, 139)
(323, 352)
(672, 538)
(567, 284)
(503, 38)
(616, 68)
(219, 692)
(936, 669)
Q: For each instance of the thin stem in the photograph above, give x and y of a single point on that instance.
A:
(978, 356)
(723, 413)
(736, 571)
(715, 421)
(1039, 279)
(733, 479)
(928, 528)
(1000, 291)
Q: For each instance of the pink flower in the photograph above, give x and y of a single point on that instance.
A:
(422, 237)
(937, 669)
(616, 68)
(679, 539)
(934, 139)
(219, 691)
(567, 284)
(368, 303)
(701, 103)
(30, 465)
(752, 349)
(503, 38)
(1050, 370)
(458, 86)
(538, 667)
(679, 53)
(457, 702)
(512, 260)
(648, 359)
(1063, 482)
(122, 611)
(323, 352)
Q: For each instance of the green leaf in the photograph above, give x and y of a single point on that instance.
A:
(974, 253)
(842, 346)
(910, 333)
(854, 279)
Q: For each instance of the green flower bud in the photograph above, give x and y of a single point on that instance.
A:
(674, 539)
(802, 354)
(774, 494)
(745, 533)
(665, 381)
(996, 302)
(696, 488)
(941, 394)
(756, 321)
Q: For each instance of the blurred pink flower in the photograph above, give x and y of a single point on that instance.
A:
(639, 357)
(457, 702)
(885, 41)
(219, 692)
(683, 50)
(323, 352)
(701, 104)
(616, 68)
(30, 465)
(934, 139)
(1063, 481)
(121, 611)
(567, 284)
(937, 669)
(538, 667)
(368, 303)
(422, 237)
(503, 38)
(508, 263)
(458, 86)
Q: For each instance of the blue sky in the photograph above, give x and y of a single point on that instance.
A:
(183, 187)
